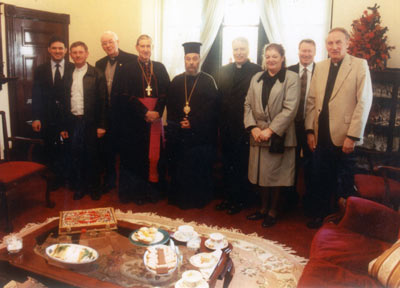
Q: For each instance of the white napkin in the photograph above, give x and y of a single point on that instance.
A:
(206, 272)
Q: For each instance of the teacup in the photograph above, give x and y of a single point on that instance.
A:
(186, 230)
(14, 243)
(217, 238)
(191, 278)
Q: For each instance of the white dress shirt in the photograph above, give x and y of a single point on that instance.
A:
(77, 101)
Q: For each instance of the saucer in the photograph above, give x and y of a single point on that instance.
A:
(179, 236)
(203, 260)
(202, 284)
(209, 244)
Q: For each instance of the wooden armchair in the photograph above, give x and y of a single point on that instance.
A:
(13, 173)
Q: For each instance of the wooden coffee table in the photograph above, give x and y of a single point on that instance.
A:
(32, 261)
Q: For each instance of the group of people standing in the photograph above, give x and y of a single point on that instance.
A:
(271, 121)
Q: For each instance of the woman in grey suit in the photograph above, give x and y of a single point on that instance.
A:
(269, 111)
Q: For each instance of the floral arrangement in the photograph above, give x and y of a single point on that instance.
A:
(368, 39)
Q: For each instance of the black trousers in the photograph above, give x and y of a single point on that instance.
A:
(235, 161)
(83, 155)
(332, 178)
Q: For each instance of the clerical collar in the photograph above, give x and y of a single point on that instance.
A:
(280, 75)
(239, 66)
(337, 64)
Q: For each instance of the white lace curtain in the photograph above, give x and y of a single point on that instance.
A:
(186, 21)
(289, 21)
(285, 22)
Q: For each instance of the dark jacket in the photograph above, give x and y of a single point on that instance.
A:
(232, 96)
(45, 98)
(122, 59)
(94, 91)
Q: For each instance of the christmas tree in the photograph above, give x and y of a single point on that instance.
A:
(368, 39)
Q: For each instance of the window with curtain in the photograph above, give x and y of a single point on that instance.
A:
(218, 22)
(241, 19)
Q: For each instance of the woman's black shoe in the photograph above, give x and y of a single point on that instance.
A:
(269, 221)
(256, 216)
(223, 205)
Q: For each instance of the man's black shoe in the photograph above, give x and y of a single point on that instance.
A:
(78, 195)
(95, 196)
(223, 205)
(256, 216)
(107, 188)
(315, 223)
(235, 209)
(269, 221)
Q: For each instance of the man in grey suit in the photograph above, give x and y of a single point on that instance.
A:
(338, 105)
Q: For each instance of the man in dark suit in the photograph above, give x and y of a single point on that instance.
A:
(111, 65)
(84, 121)
(48, 90)
(233, 83)
(305, 69)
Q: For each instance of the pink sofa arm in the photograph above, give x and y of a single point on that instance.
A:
(371, 219)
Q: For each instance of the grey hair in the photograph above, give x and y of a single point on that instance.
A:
(241, 40)
(113, 34)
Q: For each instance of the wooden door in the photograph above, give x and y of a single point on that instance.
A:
(28, 32)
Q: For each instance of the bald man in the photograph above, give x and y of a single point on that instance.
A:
(111, 65)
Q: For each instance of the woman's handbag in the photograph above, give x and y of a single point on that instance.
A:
(277, 143)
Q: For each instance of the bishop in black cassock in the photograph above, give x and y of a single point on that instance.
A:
(145, 85)
(192, 132)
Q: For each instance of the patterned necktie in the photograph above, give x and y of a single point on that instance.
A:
(57, 76)
(303, 81)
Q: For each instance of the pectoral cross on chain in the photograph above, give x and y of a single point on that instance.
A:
(148, 90)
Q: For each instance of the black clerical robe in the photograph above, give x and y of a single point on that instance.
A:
(136, 132)
(191, 151)
(233, 83)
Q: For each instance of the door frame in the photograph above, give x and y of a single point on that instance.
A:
(11, 12)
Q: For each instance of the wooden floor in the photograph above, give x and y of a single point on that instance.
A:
(27, 205)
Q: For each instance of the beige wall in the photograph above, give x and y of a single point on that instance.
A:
(345, 11)
(88, 19)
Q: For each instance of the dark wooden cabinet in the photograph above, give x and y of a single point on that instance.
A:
(382, 132)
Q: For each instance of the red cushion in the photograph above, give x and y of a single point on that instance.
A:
(373, 187)
(371, 219)
(345, 248)
(14, 170)
(320, 273)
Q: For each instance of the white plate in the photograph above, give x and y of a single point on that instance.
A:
(153, 271)
(203, 260)
(210, 244)
(72, 254)
(158, 237)
(179, 236)
(202, 284)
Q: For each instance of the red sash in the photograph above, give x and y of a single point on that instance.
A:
(156, 131)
